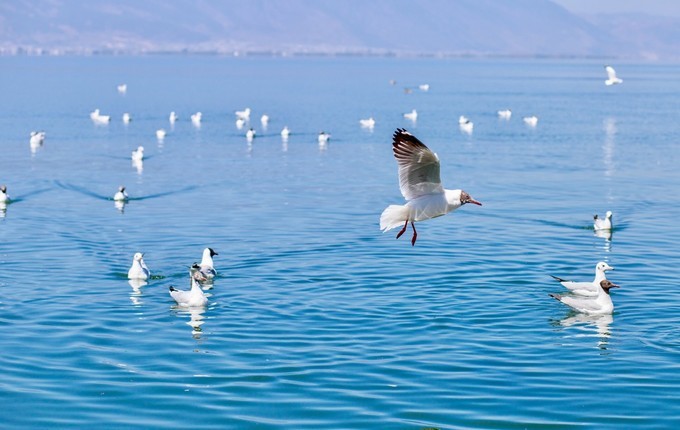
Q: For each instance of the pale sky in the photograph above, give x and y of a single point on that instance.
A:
(651, 7)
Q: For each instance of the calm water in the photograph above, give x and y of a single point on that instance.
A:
(317, 319)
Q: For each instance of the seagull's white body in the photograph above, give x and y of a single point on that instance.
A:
(587, 288)
(243, 114)
(323, 138)
(240, 122)
(4, 197)
(467, 127)
(531, 120)
(285, 132)
(424, 87)
(250, 134)
(196, 118)
(138, 154)
(193, 298)
(612, 79)
(603, 224)
(160, 134)
(173, 117)
(367, 123)
(122, 88)
(505, 114)
(420, 184)
(413, 115)
(600, 304)
(127, 118)
(138, 270)
(121, 195)
(97, 117)
(264, 119)
(207, 265)
(37, 138)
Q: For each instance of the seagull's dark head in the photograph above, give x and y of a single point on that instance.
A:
(3, 188)
(466, 198)
(607, 285)
(212, 252)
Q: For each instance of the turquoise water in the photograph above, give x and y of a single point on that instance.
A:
(317, 319)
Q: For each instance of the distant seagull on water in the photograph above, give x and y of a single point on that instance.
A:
(424, 87)
(173, 117)
(138, 270)
(504, 114)
(531, 121)
(160, 134)
(126, 118)
(138, 154)
(243, 114)
(264, 119)
(4, 197)
(603, 224)
(250, 134)
(413, 115)
(421, 186)
(196, 119)
(323, 138)
(122, 88)
(207, 266)
(121, 195)
(37, 138)
(367, 123)
(285, 133)
(611, 76)
(97, 117)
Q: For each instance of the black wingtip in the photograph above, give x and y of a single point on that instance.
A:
(558, 279)
(555, 296)
(172, 288)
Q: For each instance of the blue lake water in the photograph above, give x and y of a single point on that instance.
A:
(317, 319)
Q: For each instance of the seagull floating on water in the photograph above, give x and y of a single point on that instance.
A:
(194, 297)
(611, 76)
(127, 118)
(121, 195)
(196, 119)
(37, 138)
(160, 134)
(138, 154)
(173, 117)
(420, 185)
(97, 117)
(531, 120)
(367, 123)
(603, 224)
(243, 114)
(413, 115)
(587, 288)
(122, 88)
(207, 267)
(138, 270)
(264, 119)
(240, 122)
(505, 114)
(285, 133)
(323, 138)
(599, 305)
(250, 134)
(465, 124)
(424, 87)
(4, 197)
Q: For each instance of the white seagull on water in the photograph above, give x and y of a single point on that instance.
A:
(243, 114)
(323, 138)
(173, 117)
(37, 138)
(4, 197)
(285, 133)
(611, 76)
(367, 123)
(420, 185)
(603, 224)
(138, 154)
(600, 305)
(413, 115)
(207, 266)
(138, 270)
(505, 114)
(196, 119)
(193, 298)
(587, 288)
(531, 121)
(121, 195)
(97, 117)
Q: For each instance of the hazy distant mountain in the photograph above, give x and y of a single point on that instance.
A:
(452, 27)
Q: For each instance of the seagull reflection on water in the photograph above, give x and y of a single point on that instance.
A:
(136, 295)
(600, 323)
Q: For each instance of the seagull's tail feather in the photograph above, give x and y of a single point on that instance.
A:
(393, 216)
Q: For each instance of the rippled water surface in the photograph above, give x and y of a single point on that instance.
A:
(317, 319)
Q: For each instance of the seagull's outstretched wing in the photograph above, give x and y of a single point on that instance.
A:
(611, 73)
(418, 166)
